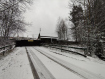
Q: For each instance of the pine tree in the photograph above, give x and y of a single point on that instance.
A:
(77, 15)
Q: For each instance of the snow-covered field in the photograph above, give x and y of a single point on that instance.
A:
(15, 65)
(50, 64)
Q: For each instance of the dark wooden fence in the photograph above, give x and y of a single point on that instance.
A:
(20, 43)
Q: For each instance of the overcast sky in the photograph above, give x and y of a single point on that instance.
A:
(44, 14)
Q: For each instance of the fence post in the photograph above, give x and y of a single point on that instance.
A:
(50, 46)
(3, 51)
(10, 47)
(85, 52)
(61, 48)
(56, 47)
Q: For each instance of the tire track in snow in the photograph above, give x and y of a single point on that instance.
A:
(42, 71)
(35, 75)
(79, 71)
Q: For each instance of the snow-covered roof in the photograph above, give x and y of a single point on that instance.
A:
(48, 37)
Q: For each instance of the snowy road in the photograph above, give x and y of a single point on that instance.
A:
(50, 64)
(42, 71)
(48, 69)
(71, 68)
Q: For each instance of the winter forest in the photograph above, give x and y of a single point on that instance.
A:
(52, 39)
(88, 28)
(87, 17)
(11, 20)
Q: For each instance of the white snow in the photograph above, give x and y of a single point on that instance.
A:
(42, 71)
(57, 70)
(89, 64)
(15, 65)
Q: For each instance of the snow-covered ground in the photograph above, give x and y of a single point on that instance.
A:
(15, 65)
(70, 48)
(90, 65)
(55, 69)
(50, 64)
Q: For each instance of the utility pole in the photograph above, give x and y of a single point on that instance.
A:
(33, 36)
(27, 36)
(40, 30)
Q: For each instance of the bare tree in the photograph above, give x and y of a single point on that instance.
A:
(61, 29)
(10, 17)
